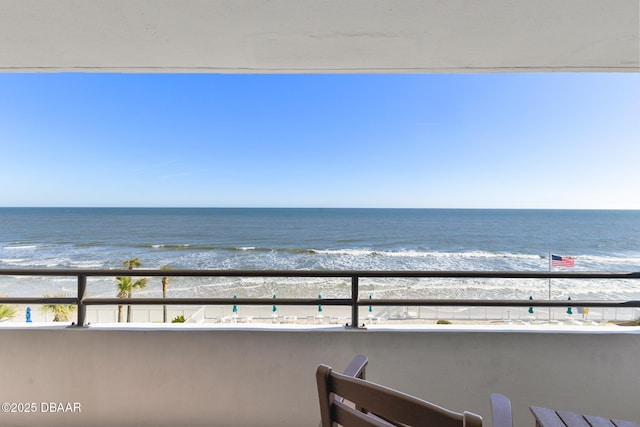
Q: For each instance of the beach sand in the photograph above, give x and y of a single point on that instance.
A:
(332, 315)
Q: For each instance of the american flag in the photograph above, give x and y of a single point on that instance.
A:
(562, 261)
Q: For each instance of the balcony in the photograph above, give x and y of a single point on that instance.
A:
(237, 374)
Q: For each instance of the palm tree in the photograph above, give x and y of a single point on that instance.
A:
(7, 312)
(126, 286)
(135, 262)
(165, 285)
(61, 312)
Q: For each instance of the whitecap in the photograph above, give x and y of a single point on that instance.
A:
(12, 261)
(20, 247)
(86, 264)
(350, 252)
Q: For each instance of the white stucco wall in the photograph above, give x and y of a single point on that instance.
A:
(243, 377)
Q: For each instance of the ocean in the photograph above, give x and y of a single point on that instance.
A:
(323, 239)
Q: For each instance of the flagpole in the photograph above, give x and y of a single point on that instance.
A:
(549, 287)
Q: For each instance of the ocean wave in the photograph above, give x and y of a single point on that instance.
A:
(20, 247)
(609, 259)
(171, 246)
(369, 259)
(345, 252)
(38, 263)
(502, 259)
(51, 263)
(22, 262)
(196, 247)
(86, 264)
(422, 254)
(11, 261)
(251, 249)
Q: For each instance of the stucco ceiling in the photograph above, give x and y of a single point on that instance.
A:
(319, 36)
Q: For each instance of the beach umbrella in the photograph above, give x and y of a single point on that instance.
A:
(370, 315)
(235, 307)
(319, 306)
(274, 309)
(569, 311)
(530, 308)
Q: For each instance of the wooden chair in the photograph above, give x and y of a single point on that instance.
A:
(356, 369)
(501, 410)
(373, 405)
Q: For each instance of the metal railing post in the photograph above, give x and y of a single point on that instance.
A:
(82, 308)
(355, 323)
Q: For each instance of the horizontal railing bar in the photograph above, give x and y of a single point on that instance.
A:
(325, 302)
(216, 301)
(38, 300)
(323, 273)
(495, 303)
(361, 302)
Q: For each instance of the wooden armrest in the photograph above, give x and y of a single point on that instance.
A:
(357, 367)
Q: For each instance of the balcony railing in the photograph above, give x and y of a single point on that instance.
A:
(82, 301)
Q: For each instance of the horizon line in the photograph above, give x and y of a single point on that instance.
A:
(317, 207)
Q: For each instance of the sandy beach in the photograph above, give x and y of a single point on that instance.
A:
(342, 315)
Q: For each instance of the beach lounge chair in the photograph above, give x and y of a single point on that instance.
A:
(379, 406)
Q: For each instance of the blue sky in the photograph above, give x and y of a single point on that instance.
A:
(548, 140)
